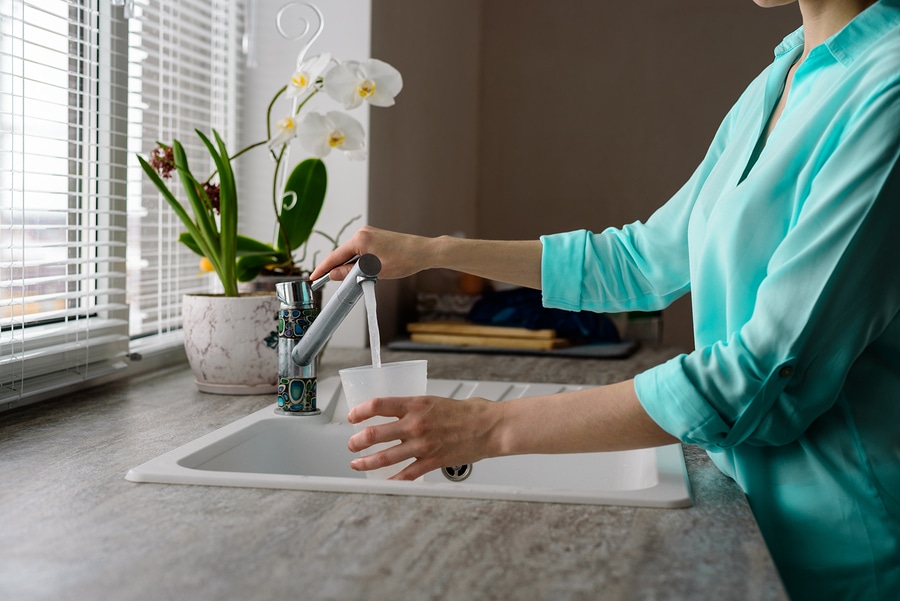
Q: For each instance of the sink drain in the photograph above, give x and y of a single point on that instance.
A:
(457, 473)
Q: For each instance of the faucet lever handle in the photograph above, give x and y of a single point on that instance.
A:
(318, 283)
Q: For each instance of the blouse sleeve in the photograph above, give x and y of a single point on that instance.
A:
(640, 267)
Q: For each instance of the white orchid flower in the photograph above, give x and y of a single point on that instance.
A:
(287, 129)
(304, 78)
(374, 81)
(319, 134)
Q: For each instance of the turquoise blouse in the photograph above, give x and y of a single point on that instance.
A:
(791, 252)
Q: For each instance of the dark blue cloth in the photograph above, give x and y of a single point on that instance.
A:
(522, 308)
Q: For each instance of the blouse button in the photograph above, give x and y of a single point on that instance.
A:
(786, 371)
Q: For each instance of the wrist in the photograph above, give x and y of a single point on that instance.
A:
(501, 439)
(439, 252)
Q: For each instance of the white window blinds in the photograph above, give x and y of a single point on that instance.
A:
(184, 67)
(63, 316)
(83, 234)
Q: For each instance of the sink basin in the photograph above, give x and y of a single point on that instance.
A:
(266, 450)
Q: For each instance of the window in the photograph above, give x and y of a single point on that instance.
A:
(184, 65)
(82, 236)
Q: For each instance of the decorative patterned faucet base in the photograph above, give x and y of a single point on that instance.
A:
(297, 395)
(296, 383)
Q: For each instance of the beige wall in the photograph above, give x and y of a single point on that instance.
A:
(424, 151)
(520, 118)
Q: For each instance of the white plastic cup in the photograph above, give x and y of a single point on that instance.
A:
(402, 378)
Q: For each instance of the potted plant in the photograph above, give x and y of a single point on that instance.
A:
(228, 337)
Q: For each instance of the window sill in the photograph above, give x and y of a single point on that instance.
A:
(146, 355)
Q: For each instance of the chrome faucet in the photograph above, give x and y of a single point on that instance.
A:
(367, 267)
(303, 332)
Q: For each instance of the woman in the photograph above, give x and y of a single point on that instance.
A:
(785, 236)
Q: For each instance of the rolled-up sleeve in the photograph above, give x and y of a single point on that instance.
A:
(639, 267)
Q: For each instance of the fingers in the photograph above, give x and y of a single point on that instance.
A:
(363, 241)
(392, 456)
(367, 437)
(384, 406)
(385, 458)
(339, 273)
(393, 431)
(334, 265)
(385, 432)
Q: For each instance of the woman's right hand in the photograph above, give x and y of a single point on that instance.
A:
(514, 261)
(401, 255)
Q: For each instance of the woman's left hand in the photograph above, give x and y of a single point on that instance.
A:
(441, 432)
(436, 431)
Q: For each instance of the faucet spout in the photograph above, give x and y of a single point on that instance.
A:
(367, 267)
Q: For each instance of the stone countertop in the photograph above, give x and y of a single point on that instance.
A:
(74, 528)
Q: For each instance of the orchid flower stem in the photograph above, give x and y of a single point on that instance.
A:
(336, 241)
(269, 112)
(305, 100)
(249, 148)
(261, 142)
(236, 155)
(281, 233)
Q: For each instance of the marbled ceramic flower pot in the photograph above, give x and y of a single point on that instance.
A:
(232, 342)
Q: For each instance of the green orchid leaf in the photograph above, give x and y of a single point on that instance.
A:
(304, 194)
(250, 266)
(249, 246)
(228, 208)
(245, 246)
(228, 190)
(187, 239)
(193, 229)
(209, 233)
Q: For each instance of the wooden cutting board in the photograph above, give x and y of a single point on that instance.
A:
(468, 334)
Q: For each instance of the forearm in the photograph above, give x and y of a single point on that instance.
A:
(402, 255)
(512, 261)
(608, 418)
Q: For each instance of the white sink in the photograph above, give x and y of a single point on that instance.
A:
(266, 450)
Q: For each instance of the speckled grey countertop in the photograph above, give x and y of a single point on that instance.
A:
(74, 528)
